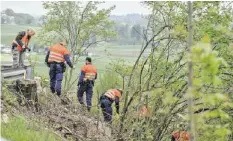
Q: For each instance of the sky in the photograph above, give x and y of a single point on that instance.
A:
(35, 8)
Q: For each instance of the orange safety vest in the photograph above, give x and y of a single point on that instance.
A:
(112, 94)
(90, 72)
(57, 53)
(25, 40)
(144, 111)
(181, 136)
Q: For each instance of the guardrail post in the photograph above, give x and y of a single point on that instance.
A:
(29, 73)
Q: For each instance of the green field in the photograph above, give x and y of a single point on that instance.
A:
(9, 32)
(41, 68)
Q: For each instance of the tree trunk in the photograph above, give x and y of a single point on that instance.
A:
(190, 73)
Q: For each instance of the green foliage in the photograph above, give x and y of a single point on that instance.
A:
(163, 74)
(208, 64)
(76, 22)
(120, 66)
(8, 99)
(18, 129)
(107, 81)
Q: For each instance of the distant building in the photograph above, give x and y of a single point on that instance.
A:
(89, 54)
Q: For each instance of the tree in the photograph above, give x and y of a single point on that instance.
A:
(21, 18)
(76, 22)
(123, 33)
(190, 72)
(136, 32)
(9, 12)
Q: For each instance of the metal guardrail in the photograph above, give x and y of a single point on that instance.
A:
(10, 73)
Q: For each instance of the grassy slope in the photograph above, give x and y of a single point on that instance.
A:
(18, 129)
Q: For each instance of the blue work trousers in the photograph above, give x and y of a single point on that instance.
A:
(56, 76)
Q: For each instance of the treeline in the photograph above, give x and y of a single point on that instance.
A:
(127, 34)
(8, 16)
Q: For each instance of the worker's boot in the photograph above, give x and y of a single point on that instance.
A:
(88, 109)
(59, 94)
(52, 90)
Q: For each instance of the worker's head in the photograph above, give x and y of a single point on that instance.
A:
(31, 32)
(120, 90)
(63, 43)
(88, 60)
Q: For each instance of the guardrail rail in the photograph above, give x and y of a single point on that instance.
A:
(10, 73)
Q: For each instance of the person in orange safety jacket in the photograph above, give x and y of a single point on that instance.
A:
(144, 111)
(20, 45)
(55, 60)
(86, 82)
(106, 100)
(181, 134)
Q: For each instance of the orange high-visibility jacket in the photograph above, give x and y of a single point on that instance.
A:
(144, 111)
(90, 72)
(25, 40)
(112, 94)
(181, 136)
(57, 53)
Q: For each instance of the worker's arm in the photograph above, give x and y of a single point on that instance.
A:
(67, 58)
(47, 57)
(173, 138)
(102, 95)
(29, 37)
(81, 77)
(117, 104)
(96, 76)
(19, 38)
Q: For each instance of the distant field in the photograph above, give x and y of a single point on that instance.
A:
(41, 69)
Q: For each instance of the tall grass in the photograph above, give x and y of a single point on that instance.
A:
(18, 129)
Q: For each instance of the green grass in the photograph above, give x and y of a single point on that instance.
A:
(41, 69)
(18, 129)
(100, 62)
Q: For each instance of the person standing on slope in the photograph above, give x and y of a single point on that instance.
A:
(86, 82)
(55, 60)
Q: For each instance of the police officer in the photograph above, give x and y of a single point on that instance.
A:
(106, 100)
(86, 82)
(181, 134)
(55, 59)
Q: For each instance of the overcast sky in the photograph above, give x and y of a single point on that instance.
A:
(35, 7)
